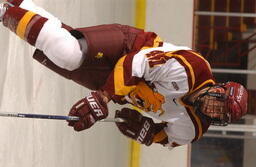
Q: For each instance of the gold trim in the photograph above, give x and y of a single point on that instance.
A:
(188, 65)
(198, 122)
(120, 88)
(203, 84)
(21, 28)
(200, 56)
(157, 40)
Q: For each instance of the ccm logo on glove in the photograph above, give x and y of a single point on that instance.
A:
(94, 105)
(143, 132)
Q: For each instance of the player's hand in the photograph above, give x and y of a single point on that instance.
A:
(89, 109)
(136, 126)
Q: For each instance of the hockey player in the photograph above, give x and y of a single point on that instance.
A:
(124, 64)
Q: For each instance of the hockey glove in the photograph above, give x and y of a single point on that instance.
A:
(136, 126)
(89, 109)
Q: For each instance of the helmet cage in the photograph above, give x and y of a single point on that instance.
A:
(224, 116)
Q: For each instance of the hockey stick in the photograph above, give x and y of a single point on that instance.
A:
(56, 117)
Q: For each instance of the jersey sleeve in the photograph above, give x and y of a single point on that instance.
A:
(184, 131)
(181, 131)
(124, 76)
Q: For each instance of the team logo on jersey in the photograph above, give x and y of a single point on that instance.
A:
(175, 86)
(99, 55)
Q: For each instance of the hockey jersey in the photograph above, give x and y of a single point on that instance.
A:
(171, 72)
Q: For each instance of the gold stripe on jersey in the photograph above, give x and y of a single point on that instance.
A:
(200, 56)
(157, 58)
(209, 81)
(120, 87)
(21, 28)
(198, 126)
(191, 71)
(156, 43)
(199, 123)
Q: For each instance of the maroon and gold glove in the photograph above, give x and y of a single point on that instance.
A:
(136, 126)
(89, 109)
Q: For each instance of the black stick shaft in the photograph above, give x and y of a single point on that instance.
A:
(56, 117)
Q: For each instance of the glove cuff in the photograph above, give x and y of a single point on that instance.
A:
(160, 134)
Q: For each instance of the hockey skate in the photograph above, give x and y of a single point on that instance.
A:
(3, 8)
